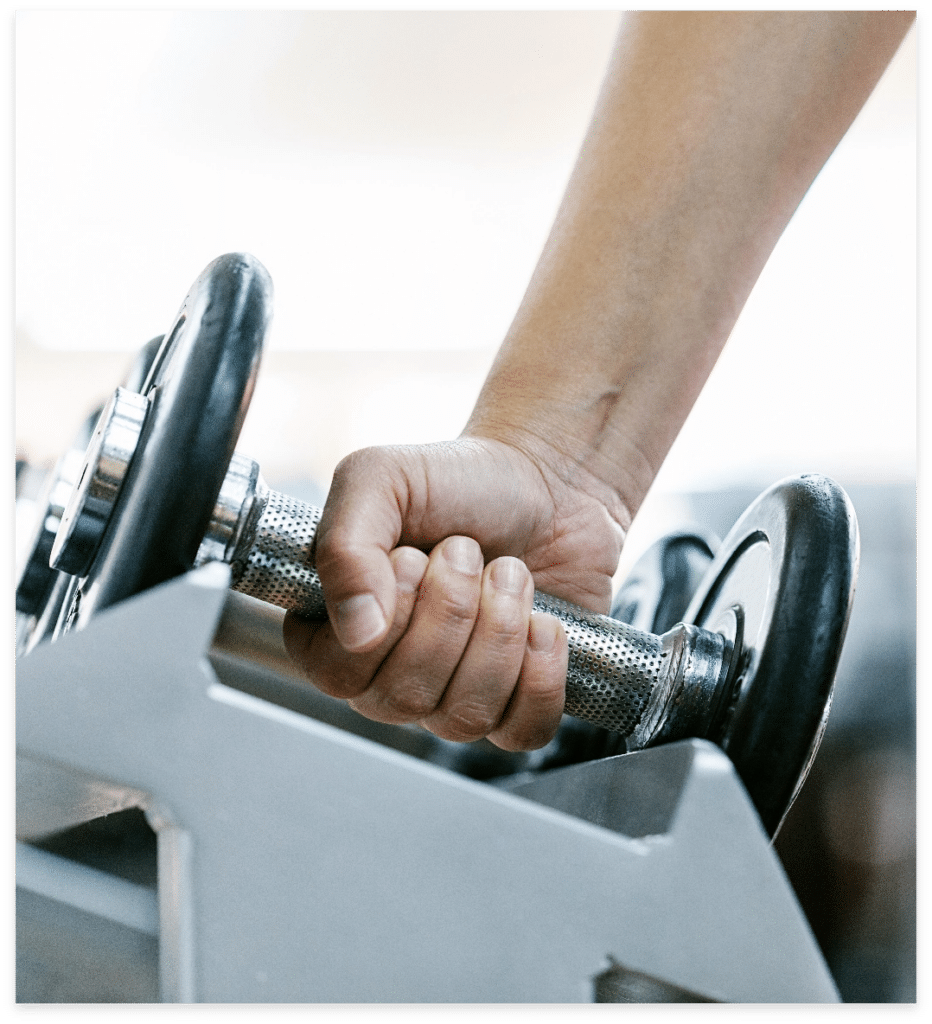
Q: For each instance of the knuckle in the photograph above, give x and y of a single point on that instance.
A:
(515, 740)
(526, 735)
(343, 686)
(506, 624)
(335, 546)
(458, 607)
(466, 722)
(409, 703)
(359, 462)
(331, 549)
(546, 688)
(316, 653)
(541, 699)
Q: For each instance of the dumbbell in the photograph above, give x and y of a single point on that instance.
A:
(41, 591)
(653, 597)
(750, 667)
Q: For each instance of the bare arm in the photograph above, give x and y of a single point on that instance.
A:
(708, 131)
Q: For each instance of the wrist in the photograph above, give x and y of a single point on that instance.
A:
(573, 440)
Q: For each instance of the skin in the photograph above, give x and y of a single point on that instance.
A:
(708, 131)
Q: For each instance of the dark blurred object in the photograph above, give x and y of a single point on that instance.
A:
(849, 842)
(656, 593)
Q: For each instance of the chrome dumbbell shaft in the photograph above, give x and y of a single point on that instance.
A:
(643, 686)
(266, 538)
(632, 682)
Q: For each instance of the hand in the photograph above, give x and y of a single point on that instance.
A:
(428, 557)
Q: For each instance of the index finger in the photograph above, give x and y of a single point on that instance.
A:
(360, 526)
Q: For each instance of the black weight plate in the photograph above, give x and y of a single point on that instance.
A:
(661, 583)
(781, 586)
(39, 583)
(199, 387)
(138, 373)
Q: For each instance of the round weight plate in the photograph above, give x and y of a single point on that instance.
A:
(198, 387)
(658, 589)
(139, 370)
(39, 584)
(781, 587)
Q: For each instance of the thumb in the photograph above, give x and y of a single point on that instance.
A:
(360, 525)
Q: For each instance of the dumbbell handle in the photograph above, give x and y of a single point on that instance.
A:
(634, 683)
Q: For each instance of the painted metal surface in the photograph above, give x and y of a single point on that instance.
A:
(300, 863)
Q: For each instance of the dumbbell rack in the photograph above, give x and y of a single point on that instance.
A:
(298, 862)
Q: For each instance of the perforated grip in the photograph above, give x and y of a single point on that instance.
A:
(617, 675)
(277, 565)
(614, 669)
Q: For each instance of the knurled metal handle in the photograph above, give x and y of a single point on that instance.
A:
(619, 677)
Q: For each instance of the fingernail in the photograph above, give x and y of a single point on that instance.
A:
(508, 575)
(409, 565)
(358, 620)
(543, 633)
(464, 555)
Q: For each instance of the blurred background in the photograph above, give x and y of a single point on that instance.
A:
(397, 174)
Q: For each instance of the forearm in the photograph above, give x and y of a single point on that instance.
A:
(709, 130)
